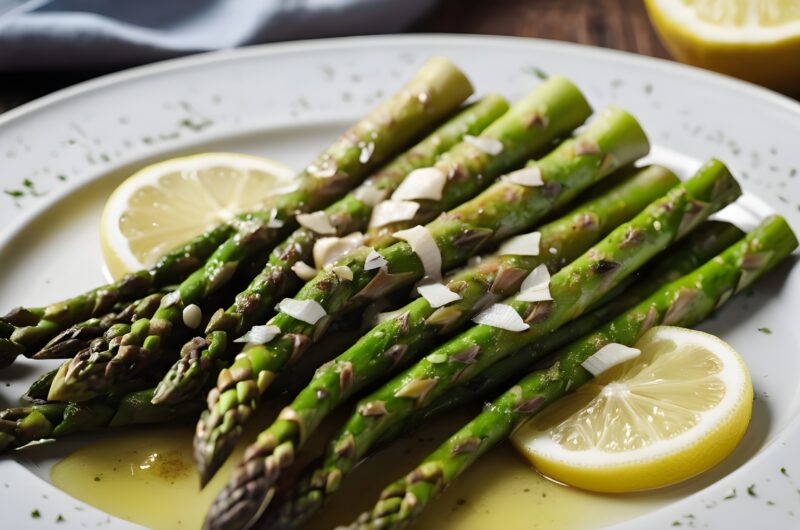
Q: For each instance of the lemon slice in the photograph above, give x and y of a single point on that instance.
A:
(164, 205)
(674, 411)
(756, 40)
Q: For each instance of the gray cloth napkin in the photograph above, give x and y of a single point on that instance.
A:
(105, 34)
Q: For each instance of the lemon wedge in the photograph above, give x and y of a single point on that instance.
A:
(672, 412)
(756, 40)
(165, 204)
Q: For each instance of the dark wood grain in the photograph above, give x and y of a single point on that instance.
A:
(620, 24)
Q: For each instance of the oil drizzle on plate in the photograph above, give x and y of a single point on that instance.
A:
(146, 476)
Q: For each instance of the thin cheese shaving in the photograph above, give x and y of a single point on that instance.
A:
(530, 176)
(259, 334)
(523, 245)
(490, 146)
(374, 261)
(388, 212)
(536, 286)
(369, 195)
(422, 183)
(304, 271)
(317, 222)
(309, 311)
(329, 250)
(608, 357)
(501, 316)
(424, 246)
(437, 294)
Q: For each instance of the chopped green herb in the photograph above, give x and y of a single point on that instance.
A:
(538, 72)
(35, 514)
(677, 523)
(14, 193)
(770, 503)
(784, 472)
(62, 178)
(104, 157)
(731, 495)
(60, 518)
(751, 490)
(97, 478)
(765, 331)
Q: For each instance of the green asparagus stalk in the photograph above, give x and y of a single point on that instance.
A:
(127, 405)
(433, 93)
(704, 243)
(349, 214)
(22, 425)
(77, 337)
(415, 328)
(504, 209)
(574, 289)
(684, 302)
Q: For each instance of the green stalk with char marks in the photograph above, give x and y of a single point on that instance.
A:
(401, 339)
(685, 302)
(505, 208)
(573, 290)
(349, 214)
(434, 93)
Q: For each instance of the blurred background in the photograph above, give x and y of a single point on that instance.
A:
(49, 44)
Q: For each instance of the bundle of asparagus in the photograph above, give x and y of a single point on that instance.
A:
(362, 225)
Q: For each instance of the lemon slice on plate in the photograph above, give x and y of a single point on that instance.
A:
(166, 204)
(674, 411)
(756, 40)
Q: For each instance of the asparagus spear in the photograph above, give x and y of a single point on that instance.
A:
(433, 93)
(573, 289)
(126, 405)
(22, 425)
(684, 302)
(347, 215)
(416, 328)
(705, 242)
(503, 209)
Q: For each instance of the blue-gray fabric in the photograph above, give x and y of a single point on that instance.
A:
(105, 34)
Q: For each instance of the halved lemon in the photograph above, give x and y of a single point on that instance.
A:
(756, 40)
(165, 204)
(676, 410)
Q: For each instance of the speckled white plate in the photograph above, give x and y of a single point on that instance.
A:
(61, 155)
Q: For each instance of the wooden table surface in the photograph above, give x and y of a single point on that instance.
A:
(620, 24)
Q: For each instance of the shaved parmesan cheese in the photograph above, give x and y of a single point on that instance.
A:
(424, 246)
(608, 357)
(304, 271)
(501, 316)
(490, 146)
(437, 294)
(329, 250)
(422, 183)
(536, 287)
(374, 261)
(369, 195)
(316, 222)
(530, 176)
(389, 212)
(259, 334)
(309, 311)
(524, 245)
(343, 272)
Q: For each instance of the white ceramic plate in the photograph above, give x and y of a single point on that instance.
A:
(65, 152)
